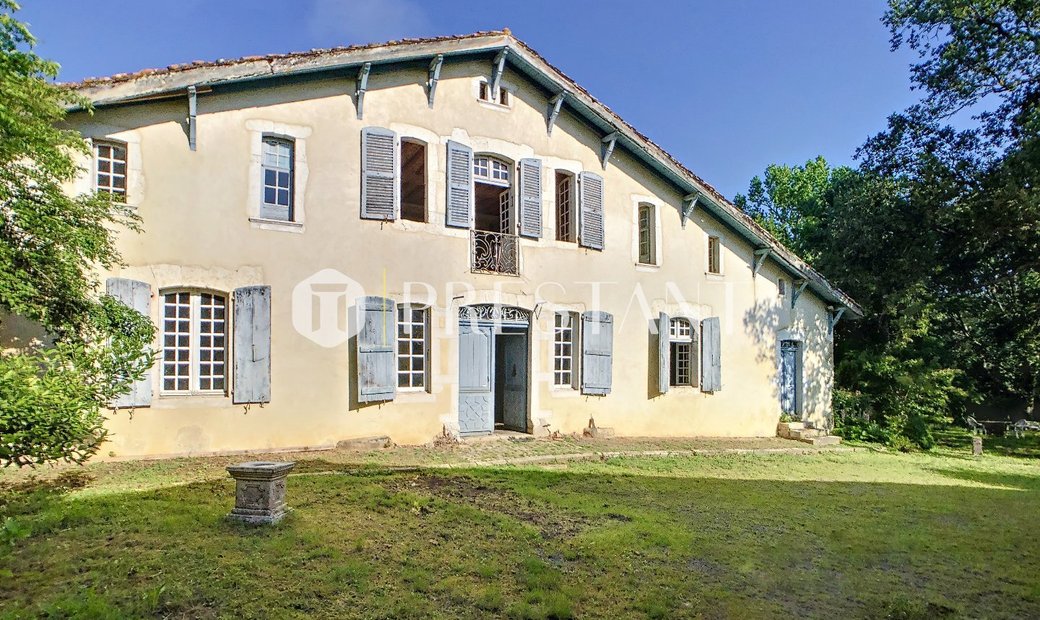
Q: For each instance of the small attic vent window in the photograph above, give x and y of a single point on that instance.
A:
(485, 94)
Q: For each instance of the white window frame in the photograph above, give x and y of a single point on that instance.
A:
(288, 169)
(560, 340)
(194, 338)
(401, 310)
(690, 337)
(493, 170)
(97, 143)
(258, 130)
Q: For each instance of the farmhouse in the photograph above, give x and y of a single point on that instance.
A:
(434, 236)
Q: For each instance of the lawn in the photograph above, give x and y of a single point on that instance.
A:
(833, 534)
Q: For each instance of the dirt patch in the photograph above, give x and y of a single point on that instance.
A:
(552, 523)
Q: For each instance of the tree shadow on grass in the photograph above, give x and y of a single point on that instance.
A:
(372, 542)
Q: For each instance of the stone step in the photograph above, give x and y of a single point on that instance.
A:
(789, 430)
(808, 433)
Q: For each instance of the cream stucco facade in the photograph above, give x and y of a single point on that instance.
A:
(203, 231)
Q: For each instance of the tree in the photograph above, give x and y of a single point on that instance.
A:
(51, 247)
(787, 201)
(894, 381)
(937, 232)
(980, 183)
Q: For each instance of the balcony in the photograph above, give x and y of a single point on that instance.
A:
(492, 252)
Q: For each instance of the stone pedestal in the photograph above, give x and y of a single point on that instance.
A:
(259, 491)
(976, 446)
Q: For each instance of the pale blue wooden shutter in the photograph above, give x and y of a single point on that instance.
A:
(252, 345)
(531, 198)
(376, 349)
(590, 210)
(711, 355)
(137, 296)
(380, 182)
(663, 353)
(597, 350)
(459, 209)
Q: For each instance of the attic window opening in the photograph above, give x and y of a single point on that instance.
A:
(502, 97)
(714, 255)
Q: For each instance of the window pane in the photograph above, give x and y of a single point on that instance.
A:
(562, 355)
(411, 346)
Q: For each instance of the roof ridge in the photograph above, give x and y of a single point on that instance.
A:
(224, 62)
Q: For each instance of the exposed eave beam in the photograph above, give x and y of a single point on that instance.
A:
(761, 255)
(362, 86)
(689, 204)
(797, 292)
(497, 67)
(193, 110)
(554, 110)
(434, 75)
(835, 317)
(609, 142)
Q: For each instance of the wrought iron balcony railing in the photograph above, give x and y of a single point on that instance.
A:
(492, 252)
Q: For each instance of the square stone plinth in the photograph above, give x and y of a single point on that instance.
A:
(260, 491)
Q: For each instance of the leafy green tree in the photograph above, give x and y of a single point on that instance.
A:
(937, 232)
(787, 201)
(51, 247)
(980, 182)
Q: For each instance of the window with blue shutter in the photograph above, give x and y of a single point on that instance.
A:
(380, 185)
(711, 355)
(137, 296)
(530, 198)
(663, 353)
(252, 345)
(597, 350)
(459, 210)
(376, 349)
(590, 210)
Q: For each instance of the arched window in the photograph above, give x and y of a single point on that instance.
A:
(682, 338)
(489, 169)
(194, 342)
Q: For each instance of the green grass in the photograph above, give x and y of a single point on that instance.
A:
(836, 534)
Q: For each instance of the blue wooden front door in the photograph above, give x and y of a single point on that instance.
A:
(790, 381)
(476, 380)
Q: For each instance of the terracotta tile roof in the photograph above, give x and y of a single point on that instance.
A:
(313, 53)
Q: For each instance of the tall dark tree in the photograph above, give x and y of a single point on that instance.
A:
(938, 230)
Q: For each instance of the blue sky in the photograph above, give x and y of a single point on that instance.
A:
(727, 86)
